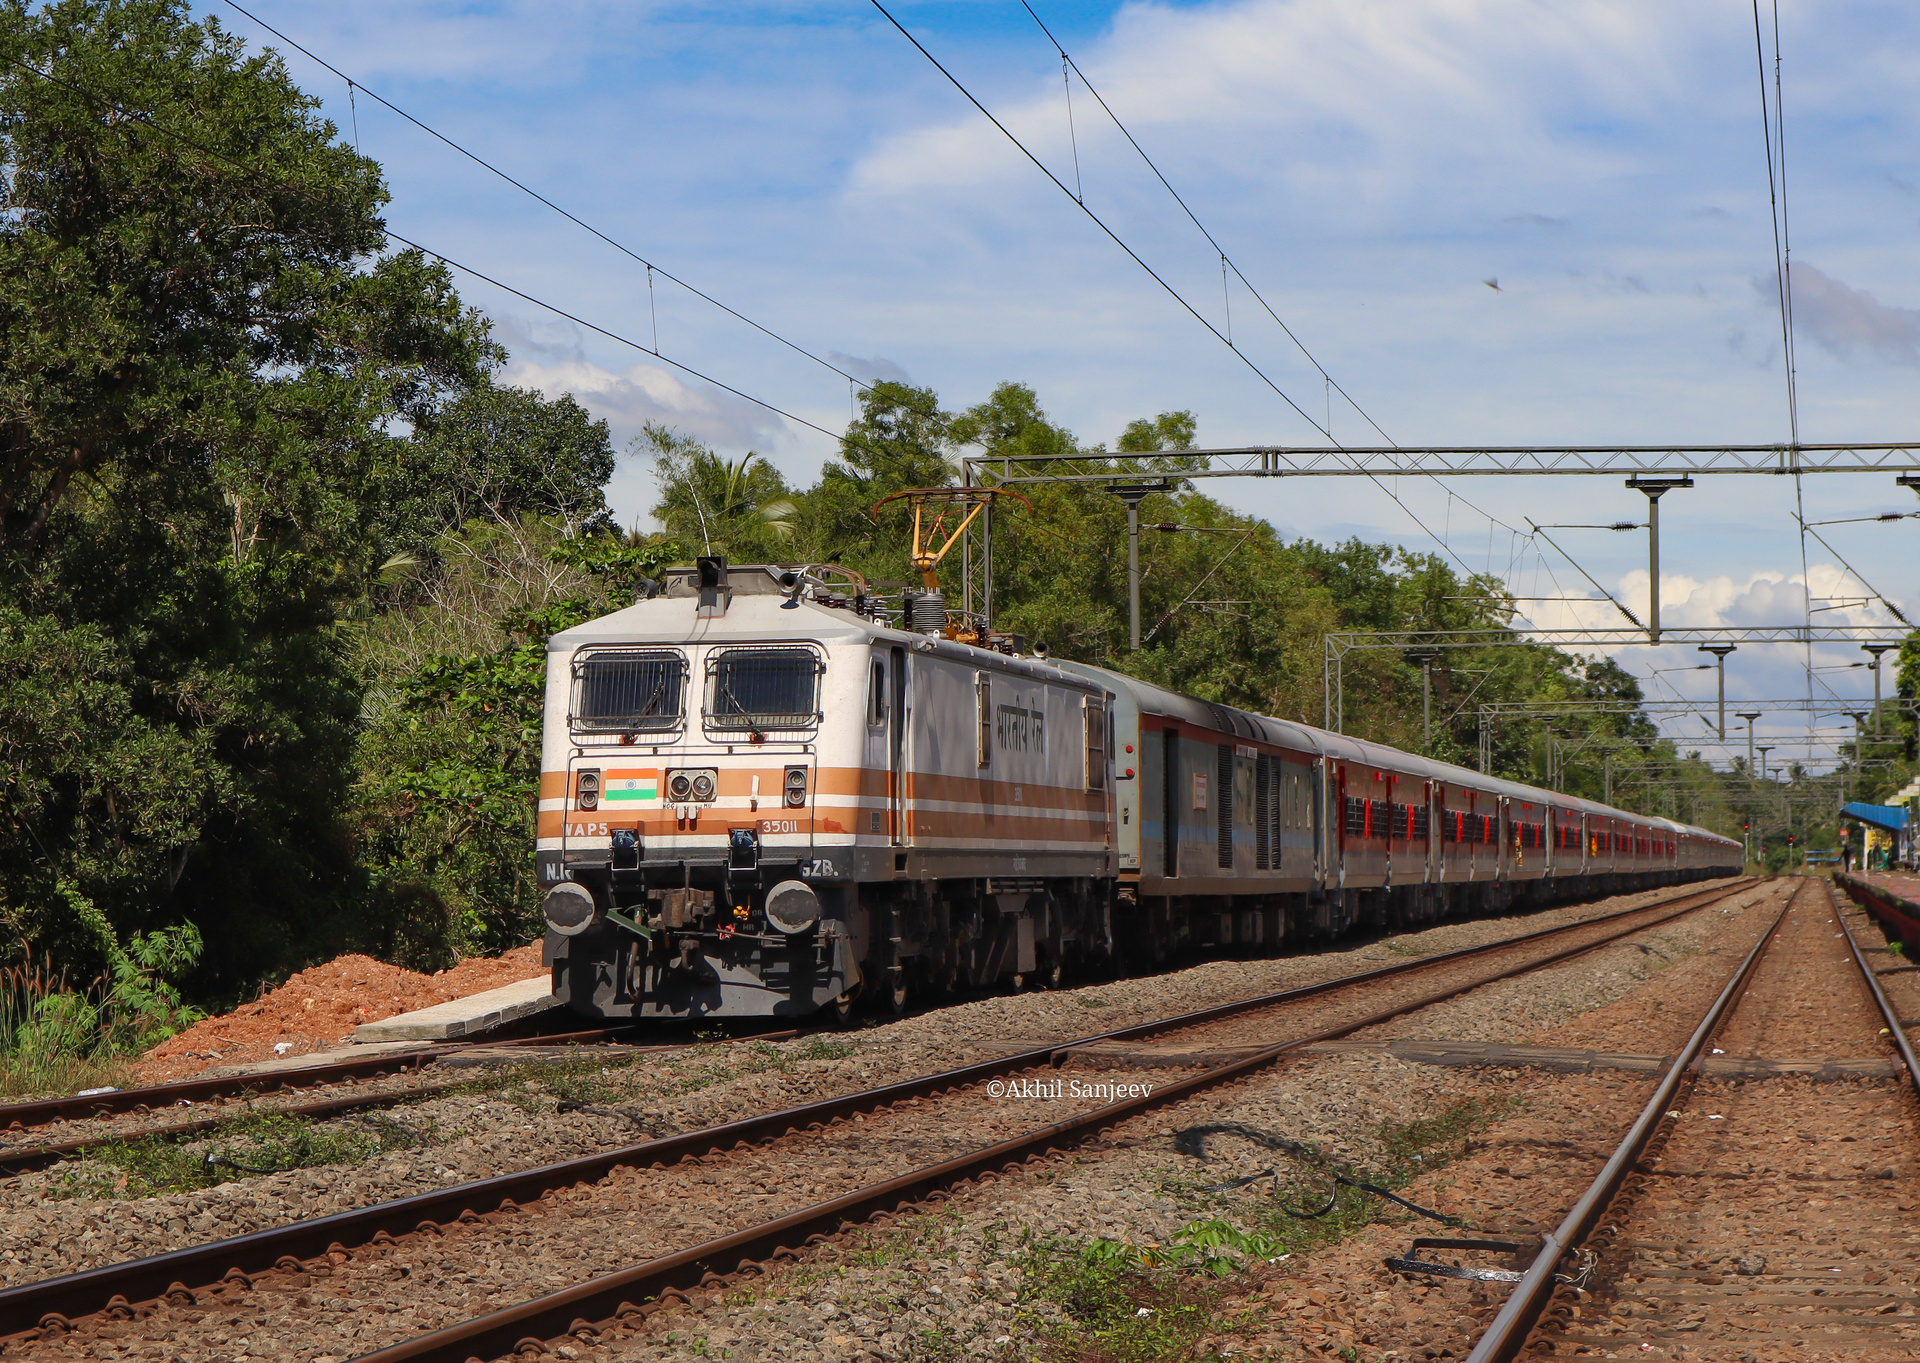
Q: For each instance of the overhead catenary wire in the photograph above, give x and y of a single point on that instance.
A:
(147, 121)
(1858, 576)
(1097, 220)
(1617, 604)
(1227, 263)
(1152, 273)
(535, 194)
(1774, 140)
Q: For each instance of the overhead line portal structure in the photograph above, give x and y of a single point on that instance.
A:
(1132, 476)
(1340, 643)
(1469, 461)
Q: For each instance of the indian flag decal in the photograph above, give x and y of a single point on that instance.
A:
(629, 786)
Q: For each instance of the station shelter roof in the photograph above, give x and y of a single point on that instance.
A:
(1893, 818)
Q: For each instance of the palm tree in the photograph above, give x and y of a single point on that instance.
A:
(741, 506)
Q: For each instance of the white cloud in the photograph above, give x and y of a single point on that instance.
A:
(1383, 98)
(630, 398)
(642, 393)
(870, 369)
(1846, 321)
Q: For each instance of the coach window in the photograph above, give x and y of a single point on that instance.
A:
(877, 695)
(629, 691)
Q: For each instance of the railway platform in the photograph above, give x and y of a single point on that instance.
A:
(458, 1018)
(1892, 898)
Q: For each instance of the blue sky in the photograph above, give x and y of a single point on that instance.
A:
(1367, 163)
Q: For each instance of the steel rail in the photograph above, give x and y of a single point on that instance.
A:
(1884, 905)
(171, 1094)
(56, 1302)
(1888, 1013)
(626, 1292)
(1508, 1333)
(23, 1159)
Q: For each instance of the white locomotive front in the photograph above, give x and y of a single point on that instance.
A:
(757, 798)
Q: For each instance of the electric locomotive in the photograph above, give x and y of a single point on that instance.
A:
(764, 793)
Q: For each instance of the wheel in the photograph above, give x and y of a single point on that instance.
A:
(839, 1013)
(898, 994)
(1057, 975)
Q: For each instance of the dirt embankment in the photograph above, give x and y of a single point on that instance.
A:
(319, 1008)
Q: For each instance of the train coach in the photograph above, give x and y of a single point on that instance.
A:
(761, 797)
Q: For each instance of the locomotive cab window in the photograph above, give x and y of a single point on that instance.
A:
(629, 691)
(763, 688)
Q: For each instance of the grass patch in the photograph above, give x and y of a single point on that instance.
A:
(247, 1147)
(1092, 1001)
(1400, 948)
(1125, 1303)
(922, 1236)
(59, 1038)
(1408, 1150)
(1115, 1302)
(268, 1142)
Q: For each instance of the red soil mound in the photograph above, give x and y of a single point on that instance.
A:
(320, 1007)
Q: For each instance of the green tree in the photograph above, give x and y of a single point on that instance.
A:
(449, 759)
(900, 440)
(208, 365)
(500, 453)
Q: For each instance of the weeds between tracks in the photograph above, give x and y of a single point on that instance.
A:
(1032, 1296)
(1126, 1303)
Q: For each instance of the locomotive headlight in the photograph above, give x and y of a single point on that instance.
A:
(586, 784)
(796, 787)
(692, 784)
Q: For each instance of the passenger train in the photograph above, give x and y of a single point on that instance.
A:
(760, 797)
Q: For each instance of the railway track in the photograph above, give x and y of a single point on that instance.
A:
(177, 1100)
(850, 1137)
(182, 1097)
(1741, 1219)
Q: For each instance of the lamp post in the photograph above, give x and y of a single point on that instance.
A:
(1876, 650)
(1859, 718)
(1720, 652)
(1655, 488)
(1426, 659)
(1749, 716)
(1133, 494)
(1765, 748)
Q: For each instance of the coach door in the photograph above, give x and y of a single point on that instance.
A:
(897, 727)
(1323, 823)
